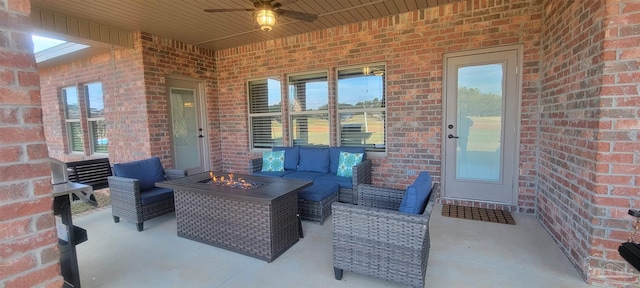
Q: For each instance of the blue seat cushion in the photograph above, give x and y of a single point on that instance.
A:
(147, 171)
(319, 191)
(314, 160)
(334, 156)
(344, 182)
(304, 175)
(273, 173)
(415, 198)
(155, 195)
(291, 156)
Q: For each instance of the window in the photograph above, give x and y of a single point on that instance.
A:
(265, 113)
(95, 117)
(309, 109)
(72, 117)
(361, 107)
(74, 109)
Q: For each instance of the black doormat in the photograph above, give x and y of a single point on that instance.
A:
(479, 214)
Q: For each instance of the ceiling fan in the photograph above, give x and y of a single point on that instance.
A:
(267, 11)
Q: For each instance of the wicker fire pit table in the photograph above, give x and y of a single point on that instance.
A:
(255, 218)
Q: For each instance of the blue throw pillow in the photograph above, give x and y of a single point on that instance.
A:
(334, 156)
(346, 163)
(273, 161)
(415, 198)
(314, 160)
(148, 171)
(291, 156)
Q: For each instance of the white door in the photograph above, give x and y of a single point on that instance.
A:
(189, 135)
(480, 130)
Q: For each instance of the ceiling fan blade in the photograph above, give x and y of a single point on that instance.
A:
(283, 2)
(228, 10)
(297, 15)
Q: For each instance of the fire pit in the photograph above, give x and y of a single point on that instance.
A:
(261, 222)
(230, 182)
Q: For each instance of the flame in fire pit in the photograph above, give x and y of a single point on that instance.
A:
(230, 182)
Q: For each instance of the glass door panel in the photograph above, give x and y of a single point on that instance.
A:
(480, 105)
(185, 128)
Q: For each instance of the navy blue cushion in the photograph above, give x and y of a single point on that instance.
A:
(291, 156)
(319, 191)
(415, 198)
(273, 173)
(314, 160)
(148, 171)
(155, 195)
(304, 175)
(334, 156)
(344, 182)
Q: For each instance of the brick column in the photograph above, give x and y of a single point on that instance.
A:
(27, 227)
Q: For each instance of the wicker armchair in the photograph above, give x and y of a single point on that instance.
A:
(127, 202)
(373, 238)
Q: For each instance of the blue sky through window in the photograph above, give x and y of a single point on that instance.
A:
(487, 78)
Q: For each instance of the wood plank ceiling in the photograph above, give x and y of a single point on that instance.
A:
(185, 20)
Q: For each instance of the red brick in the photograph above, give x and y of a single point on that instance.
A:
(46, 221)
(14, 228)
(17, 60)
(10, 153)
(24, 171)
(49, 255)
(32, 115)
(16, 265)
(15, 96)
(31, 279)
(25, 208)
(20, 135)
(42, 187)
(8, 115)
(13, 192)
(6, 76)
(20, 6)
(25, 244)
(22, 41)
(37, 151)
(627, 124)
(26, 79)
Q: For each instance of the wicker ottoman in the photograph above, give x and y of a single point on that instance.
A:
(314, 202)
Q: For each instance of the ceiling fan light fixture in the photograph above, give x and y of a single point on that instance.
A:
(266, 19)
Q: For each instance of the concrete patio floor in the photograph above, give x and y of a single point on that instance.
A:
(463, 253)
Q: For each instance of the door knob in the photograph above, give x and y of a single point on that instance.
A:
(200, 136)
(451, 136)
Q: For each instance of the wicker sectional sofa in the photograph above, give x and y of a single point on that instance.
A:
(325, 162)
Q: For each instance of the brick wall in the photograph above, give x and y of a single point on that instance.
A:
(412, 45)
(129, 142)
(589, 133)
(165, 57)
(27, 227)
(136, 106)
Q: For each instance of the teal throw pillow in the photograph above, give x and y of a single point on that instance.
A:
(346, 162)
(273, 161)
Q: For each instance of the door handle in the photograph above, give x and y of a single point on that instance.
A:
(451, 136)
(200, 136)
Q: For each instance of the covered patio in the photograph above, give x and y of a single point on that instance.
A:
(575, 117)
(464, 253)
